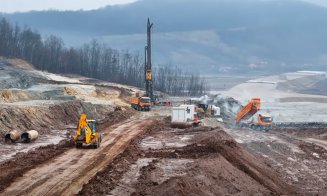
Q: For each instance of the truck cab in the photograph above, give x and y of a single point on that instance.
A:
(140, 103)
(264, 123)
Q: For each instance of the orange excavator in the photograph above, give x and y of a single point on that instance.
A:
(262, 123)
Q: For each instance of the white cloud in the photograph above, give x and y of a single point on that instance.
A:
(9, 6)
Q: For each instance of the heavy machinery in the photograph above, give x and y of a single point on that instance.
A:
(262, 123)
(86, 133)
(184, 116)
(140, 103)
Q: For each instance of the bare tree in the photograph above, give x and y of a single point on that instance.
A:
(93, 60)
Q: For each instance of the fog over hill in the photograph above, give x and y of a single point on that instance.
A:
(209, 36)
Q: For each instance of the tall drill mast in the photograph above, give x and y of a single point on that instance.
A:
(148, 64)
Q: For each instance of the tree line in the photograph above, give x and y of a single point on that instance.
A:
(93, 60)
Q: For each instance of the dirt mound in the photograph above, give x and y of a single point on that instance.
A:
(23, 162)
(21, 64)
(213, 164)
(49, 117)
(115, 117)
(222, 167)
(109, 178)
(313, 151)
(9, 96)
(226, 146)
(70, 91)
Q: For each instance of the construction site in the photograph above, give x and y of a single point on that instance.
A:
(180, 146)
(67, 134)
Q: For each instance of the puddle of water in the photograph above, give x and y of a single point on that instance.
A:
(168, 168)
(175, 141)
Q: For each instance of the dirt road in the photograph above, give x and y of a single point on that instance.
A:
(66, 174)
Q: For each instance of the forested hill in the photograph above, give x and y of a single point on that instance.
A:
(93, 60)
(213, 36)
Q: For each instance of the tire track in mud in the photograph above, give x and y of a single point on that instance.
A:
(317, 142)
(66, 174)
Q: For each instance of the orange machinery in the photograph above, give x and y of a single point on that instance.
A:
(140, 103)
(262, 123)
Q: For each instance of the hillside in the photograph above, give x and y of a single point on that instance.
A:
(219, 35)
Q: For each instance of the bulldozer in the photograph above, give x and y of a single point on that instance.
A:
(264, 122)
(86, 133)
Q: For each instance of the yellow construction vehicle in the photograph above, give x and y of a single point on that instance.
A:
(86, 133)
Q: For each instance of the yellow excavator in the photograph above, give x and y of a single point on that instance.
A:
(86, 133)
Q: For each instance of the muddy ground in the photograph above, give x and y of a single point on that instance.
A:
(42, 101)
(51, 104)
(193, 161)
(141, 154)
(199, 161)
(23, 162)
(299, 156)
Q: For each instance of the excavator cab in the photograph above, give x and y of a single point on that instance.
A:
(92, 125)
(87, 133)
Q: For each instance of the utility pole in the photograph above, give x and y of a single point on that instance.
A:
(148, 64)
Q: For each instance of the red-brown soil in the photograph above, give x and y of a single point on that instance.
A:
(23, 162)
(215, 165)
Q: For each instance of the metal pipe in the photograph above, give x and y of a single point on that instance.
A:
(29, 136)
(12, 136)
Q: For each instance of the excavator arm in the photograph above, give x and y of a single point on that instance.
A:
(86, 133)
(83, 129)
(249, 110)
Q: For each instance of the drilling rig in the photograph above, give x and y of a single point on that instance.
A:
(148, 65)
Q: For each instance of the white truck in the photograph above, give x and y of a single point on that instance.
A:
(184, 116)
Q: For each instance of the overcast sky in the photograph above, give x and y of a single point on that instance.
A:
(318, 2)
(28, 5)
